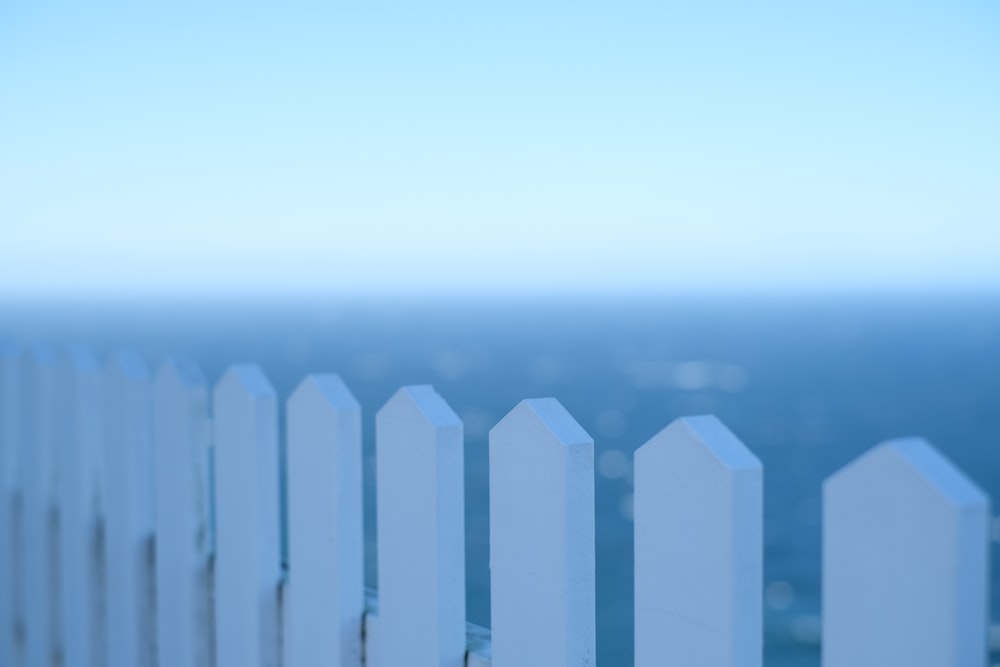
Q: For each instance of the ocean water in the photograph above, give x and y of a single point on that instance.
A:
(807, 384)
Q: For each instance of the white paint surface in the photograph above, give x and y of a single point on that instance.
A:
(129, 489)
(247, 519)
(906, 535)
(82, 456)
(542, 538)
(421, 532)
(10, 413)
(325, 596)
(181, 433)
(372, 636)
(41, 412)
(698, 511)
(905, 562)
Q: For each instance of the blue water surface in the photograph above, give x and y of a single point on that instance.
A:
(807, 384)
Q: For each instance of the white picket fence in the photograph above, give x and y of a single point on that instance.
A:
(142, 524)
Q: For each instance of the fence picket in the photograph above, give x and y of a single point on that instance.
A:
(542, 538)
(698, 520)
(10, 481)
(138, 531)
(41, 412)
(129, 512)
(325, 597)
(247, 519)
(905, 561)
(80, 462)
(181, 433)
(421, 532)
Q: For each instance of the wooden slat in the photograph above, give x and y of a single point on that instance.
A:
(10, 477)
(542, 538)
(80, 462)
(698, 513)
(421, 534)
(906, 542)
(181, 433)
(129, 507)
(41, 413)
(325, 597)
(247, 519)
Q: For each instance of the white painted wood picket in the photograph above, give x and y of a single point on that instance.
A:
(185, 618)
(143, 520)
(80, 504)
(542, 538)
(40, 413)
(325, 600)
(247, 519)
(129, 511)
(11, 402)
(698, 506)
(905, 537)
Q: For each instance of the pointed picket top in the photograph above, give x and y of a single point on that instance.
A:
(421, 530)
(129, 417)
(325, 601)
(914, 457)
(42, 414)
(543, 415)
(420, 403)
(702, 433)
(542, 538)
(180, 372)
(40, 407)
(10, 413)
(86, 392)
(698, 513)
(83, 374)
(905, 561)
(181, 421)
(328, 389)
(245, 379)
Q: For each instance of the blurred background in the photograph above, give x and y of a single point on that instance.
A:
(787, 215)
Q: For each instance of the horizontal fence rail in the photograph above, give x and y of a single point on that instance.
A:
(149, 519)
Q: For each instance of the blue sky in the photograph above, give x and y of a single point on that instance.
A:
(523, 146)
